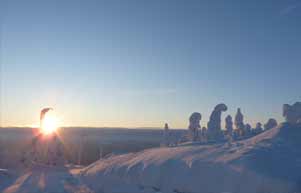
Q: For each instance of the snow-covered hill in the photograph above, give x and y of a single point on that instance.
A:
(269, 162)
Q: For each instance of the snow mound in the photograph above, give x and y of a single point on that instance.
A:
(269, 162)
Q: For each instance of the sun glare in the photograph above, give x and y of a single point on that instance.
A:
(49, 124)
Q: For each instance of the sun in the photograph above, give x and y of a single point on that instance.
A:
(49, 124)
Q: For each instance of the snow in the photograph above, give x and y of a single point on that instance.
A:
(265, 163)
(47, 179)
(268, 162)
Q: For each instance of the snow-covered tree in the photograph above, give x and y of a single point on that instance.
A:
(166, 135)
(247, 129)
(292, 113)
(194, 125)
(239, 120)
(214, 124)
(204, 134)
(45, 148)
(270, 124)
(258, 129)
(229, 125)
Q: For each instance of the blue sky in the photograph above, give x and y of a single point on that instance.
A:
(144, 63)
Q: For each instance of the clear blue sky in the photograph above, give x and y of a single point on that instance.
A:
(144, 63)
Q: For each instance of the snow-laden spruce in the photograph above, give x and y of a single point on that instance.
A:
(214, 124)
(194, 125)
(270, 124)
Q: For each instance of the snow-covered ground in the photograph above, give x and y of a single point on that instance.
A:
(269, 162)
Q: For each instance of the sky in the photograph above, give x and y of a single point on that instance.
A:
(141, 63)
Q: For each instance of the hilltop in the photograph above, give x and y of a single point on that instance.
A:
(268, 162)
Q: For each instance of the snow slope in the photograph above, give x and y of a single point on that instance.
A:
(46, 179)
(269, 162)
